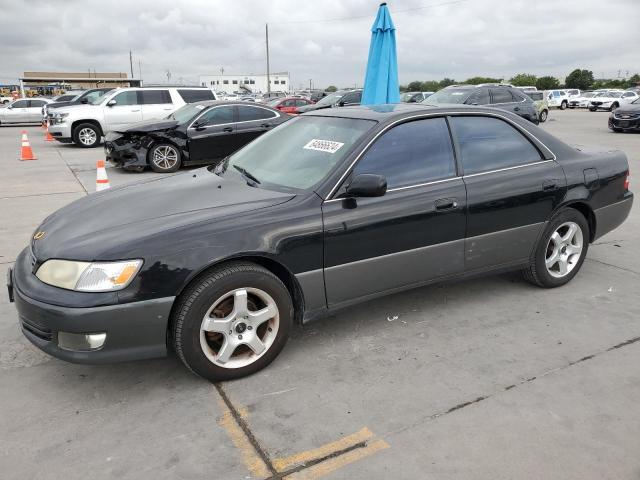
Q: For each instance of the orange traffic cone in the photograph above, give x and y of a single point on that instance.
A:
(47, 135)
(102, 182)
(26, 152)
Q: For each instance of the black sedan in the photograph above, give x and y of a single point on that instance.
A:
(626, 117)
(328, 210)
(195, 134)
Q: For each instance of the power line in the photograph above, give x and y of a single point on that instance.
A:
(395, 12)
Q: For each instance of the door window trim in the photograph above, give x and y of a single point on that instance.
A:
(521, 129)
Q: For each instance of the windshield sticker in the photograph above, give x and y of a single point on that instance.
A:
(457, 93)
(323, 145)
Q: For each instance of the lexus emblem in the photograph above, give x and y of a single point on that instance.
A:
(38, 235)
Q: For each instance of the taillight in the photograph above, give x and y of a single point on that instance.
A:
(626, 180)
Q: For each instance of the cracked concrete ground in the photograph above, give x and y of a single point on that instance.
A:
(482, 379)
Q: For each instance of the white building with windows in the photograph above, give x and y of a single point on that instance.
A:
(246, 83)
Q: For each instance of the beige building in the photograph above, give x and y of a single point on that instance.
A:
(77, 80)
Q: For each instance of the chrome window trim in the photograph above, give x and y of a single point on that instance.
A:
(531, 164)
(441, 114)
(275, 115)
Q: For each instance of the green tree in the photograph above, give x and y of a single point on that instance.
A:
(415, 86)
(581, 79)
(478, 80)
(547, 83)
(634, 80)
(430, 86)
(445, 82)
(331, 88)
(523, 80)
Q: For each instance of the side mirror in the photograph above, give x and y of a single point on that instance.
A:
(111, 103)
(199, 125)
(341, 103)
(367, 185)
(84, 100)
(9, 107)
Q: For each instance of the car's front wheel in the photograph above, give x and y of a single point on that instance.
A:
(560, 251)
(232, 322)
(543, 116)
(564, 105)
(165, 158)
(86, 135)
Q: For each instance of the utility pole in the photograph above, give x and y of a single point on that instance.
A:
(266, 31)
(131, 62)
(140, 71)
(310, 85)
(221, 70)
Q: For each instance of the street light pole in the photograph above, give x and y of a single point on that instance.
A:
(266, 31)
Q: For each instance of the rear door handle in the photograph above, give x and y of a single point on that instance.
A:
(446, 204)
(227, 129)
(550, 185)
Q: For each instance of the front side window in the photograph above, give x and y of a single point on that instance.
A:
(353, 97)
(217, 116)
(37, 103)
(449, 95)
(155, 97)
(479, 97)
(488, 143)
(411, 153)
(247, 113)
(127, 98)
(20, 104)
(501, 95)
(299, 153)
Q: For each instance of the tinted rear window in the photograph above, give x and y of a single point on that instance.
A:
(154, 97)
(190, 96)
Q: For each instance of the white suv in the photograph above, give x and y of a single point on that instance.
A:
(85, 125)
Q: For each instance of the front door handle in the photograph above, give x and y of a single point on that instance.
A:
(227, 129)
(516, 109)
(550, 185)
(446, 204)
(135, 110)
(266, 125)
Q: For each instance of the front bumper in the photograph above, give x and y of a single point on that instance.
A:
(134, 330)
(624, 122)
(123, 153)
(61, 132)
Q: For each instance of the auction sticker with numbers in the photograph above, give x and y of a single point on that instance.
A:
(328, 146)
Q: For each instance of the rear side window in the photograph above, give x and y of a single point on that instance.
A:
(247, 113)
(488, 143)
(190, 96)
(411, 153)
(37, 103)
(501, 95)
(154, 97)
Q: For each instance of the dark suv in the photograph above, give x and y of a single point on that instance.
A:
(498, 96)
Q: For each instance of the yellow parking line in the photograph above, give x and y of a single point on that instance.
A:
(250, 457)
(333, 464)
(282, 464)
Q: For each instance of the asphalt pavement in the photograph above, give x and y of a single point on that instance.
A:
(489, 378)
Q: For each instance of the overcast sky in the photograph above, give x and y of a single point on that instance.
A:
(191, 37)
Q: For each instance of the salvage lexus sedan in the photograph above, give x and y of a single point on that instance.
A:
(327, 210)
(197, 133)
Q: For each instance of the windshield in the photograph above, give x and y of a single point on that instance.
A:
(186, 112)
(614, 94)
(331, 99)
(273, 103)
(297, 155)
(95, 97)
(449, 95)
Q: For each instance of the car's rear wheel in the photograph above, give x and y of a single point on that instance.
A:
(86, 135)
(232, 322)
(165, 158)
(560, 251)
(543, 116)
(564, 105)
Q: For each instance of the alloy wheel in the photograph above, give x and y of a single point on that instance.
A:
(564, 249)
(87, 136)
(239, 327)
(165, 157)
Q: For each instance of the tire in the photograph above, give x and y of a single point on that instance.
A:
(593, 109)
(543, 116)
(222, 290)
(86, 135)
(564, 105)
(164, 158)
(543, 271)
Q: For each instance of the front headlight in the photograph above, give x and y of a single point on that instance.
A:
(89, 277)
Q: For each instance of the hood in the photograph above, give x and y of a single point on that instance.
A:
(148, 126)
(628, 108)
(116, 222)
(86, 108)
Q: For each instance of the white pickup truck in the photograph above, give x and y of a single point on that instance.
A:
(6, 100)
(85, 125)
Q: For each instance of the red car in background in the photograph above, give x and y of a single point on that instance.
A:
(289, 104)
